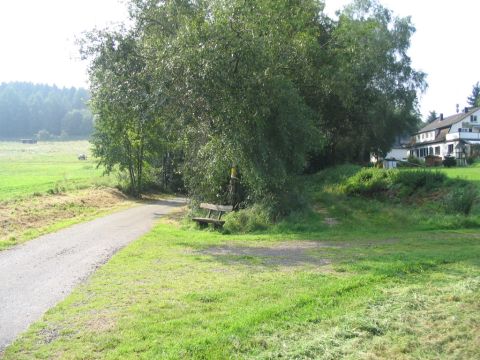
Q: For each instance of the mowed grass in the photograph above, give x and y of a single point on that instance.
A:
(471, 173)
(373, 286)
(44, 188)
(27, 169)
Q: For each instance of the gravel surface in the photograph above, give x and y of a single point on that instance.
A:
(38, 274)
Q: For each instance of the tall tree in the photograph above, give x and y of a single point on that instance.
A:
(432, 116)
(370, 88)
(474, 98)
(256, 84)
(127, 131)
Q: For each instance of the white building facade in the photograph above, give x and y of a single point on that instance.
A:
(451, 136)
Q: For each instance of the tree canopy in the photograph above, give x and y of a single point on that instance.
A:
(267, 86)
(432, 116)
(26, 109)
(474, 98)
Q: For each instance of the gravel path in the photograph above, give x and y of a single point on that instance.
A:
(38, 274)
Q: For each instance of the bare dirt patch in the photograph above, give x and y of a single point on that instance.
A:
(19, 216)
(287, 253)
(292, 253)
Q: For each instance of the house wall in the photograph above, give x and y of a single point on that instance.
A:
(425, 136)
(467, 123)
(438, 149)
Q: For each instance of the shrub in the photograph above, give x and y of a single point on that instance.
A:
(373, 181)
(416, 161)
(470, 160)
(368, 181)
(461, 199)
(410, 181)
(255, 218)
(449, 161)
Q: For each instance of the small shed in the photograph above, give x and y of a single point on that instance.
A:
(390, 163)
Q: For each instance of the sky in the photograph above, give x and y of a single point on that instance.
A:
(37, 42)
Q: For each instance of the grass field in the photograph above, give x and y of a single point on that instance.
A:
(44, 187)
(471, 173)
(352, 279)
(46, 167)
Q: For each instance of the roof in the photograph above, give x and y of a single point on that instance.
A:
(448, 121)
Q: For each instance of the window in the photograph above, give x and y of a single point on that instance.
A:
(450, 148)
(473, 118)
(430, 151)
(423, 152)
(437, 150)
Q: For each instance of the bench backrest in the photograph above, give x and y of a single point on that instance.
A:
(220, 208)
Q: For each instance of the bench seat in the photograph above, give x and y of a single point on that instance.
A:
(210, 219)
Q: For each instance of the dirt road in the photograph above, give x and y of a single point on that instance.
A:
(37, 275)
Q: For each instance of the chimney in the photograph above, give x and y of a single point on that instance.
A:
(441, 116)
(466, 110)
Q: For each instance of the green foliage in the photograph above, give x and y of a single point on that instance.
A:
(461, 199)
(128, 129)
(449, 161)
(255, 218)
(432, 116)
(471, 160)
(368, 181)
(371, 181)
(474, 98)
(261, 85)
(29, 108)
(417, 161)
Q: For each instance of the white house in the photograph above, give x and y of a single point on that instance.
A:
(449, 136)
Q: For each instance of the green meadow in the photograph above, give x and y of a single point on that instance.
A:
(28, 169)
(352, 278)
(471, 173)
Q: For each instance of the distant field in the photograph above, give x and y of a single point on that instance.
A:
(46, 167)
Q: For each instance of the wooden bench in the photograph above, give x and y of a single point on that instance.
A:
(211, 219)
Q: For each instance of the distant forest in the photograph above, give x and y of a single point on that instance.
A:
(43, 111)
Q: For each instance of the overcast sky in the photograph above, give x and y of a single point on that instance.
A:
(37, 42)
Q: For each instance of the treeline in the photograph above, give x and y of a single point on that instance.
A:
(29, 110)
(271, 88)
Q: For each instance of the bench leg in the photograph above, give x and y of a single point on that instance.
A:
(202, 225)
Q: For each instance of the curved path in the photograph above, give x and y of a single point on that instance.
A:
(38, 274)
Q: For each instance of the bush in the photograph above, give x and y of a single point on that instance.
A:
(449, 161)
(470, 160)
(368, 181)
(416, 161)
(255, 218)
(375, 181)
(461, 199)
(410, 181)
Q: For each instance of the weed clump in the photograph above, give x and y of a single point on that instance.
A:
(454, 196)
(461, 199)
(371, 182)
(255, 218)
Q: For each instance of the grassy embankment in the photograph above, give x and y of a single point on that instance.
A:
(44, 187)
(354, 278)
